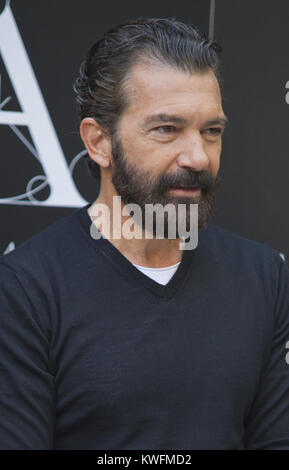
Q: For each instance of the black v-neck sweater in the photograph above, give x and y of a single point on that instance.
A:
(96, 355)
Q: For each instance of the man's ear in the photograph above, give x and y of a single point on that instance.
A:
(97, 142)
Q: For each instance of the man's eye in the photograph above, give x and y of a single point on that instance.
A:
(215, 130)
(165, 129)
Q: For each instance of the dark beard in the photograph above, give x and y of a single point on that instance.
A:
(137, 187)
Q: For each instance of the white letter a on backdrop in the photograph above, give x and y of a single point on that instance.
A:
(35, 116)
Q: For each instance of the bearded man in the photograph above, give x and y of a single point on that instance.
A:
(121, 342)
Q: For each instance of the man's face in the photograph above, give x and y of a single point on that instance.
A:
(166, 141)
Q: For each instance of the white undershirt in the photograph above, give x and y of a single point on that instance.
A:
(160, 275)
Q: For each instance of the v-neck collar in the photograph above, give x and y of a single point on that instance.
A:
(127, 269)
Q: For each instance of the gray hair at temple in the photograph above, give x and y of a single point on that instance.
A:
(101, 91)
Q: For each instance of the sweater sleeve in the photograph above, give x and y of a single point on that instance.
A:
(267, 426)
(26, 382)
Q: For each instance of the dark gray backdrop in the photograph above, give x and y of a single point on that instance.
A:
(253, 197)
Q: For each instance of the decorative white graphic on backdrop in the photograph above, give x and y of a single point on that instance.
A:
(46, 149)
(10, 247)
(287, 94)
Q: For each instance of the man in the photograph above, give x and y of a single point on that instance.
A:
(135, 343)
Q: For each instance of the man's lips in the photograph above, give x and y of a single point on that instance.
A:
(186, 191)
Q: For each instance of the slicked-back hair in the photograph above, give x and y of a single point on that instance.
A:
(100, 88)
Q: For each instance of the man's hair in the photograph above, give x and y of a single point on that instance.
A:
(101, 85)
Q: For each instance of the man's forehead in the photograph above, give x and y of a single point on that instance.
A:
(154, 85)
(147, 75)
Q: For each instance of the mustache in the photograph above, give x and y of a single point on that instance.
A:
(189, 180)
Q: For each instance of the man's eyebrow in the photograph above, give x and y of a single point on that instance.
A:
(222, 121)
(162, 117)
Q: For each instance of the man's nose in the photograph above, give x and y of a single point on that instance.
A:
(193, 154)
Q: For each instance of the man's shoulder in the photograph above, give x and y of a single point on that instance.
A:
(49, 244)
(236, 246)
